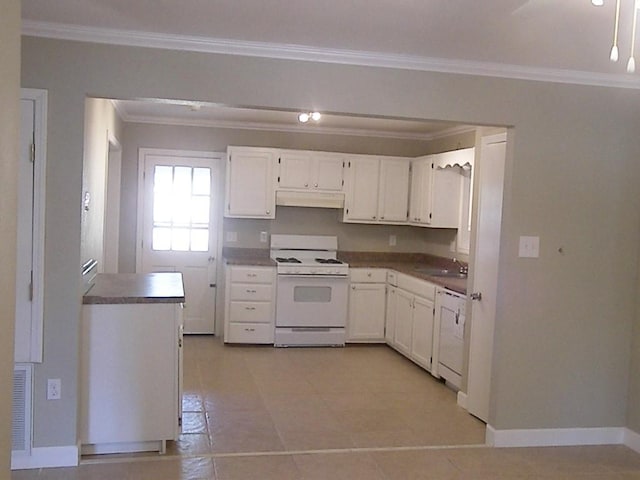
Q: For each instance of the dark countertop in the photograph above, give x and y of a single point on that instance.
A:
(131, 288)
(257, 257)
(401, 262)
(407, 263)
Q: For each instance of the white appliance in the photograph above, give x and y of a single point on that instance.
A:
(451, 349)
(312, 291)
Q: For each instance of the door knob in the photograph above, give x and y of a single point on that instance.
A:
(476, 296)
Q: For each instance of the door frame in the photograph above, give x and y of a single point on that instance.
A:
(110, 249)
(40, 100)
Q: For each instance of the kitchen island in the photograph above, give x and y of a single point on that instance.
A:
(131, 362)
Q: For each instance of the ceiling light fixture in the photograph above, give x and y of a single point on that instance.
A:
(614, 55)
(306, 116)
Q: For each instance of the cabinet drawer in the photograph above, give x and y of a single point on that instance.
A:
(368, 275)
(250, 333)
(252, 274)
(251, 292)
(392, 278)
(250, 312)
(416, 286)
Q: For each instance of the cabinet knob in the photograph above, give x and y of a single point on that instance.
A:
(315, 185)
(306, 184)
(381, 218)
(268, 212)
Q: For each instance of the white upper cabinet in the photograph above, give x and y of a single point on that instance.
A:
(393, 194)
(377, 189)
(305, 170)
(435, 190)
(361, 195)
(420, 204)
(250, 187)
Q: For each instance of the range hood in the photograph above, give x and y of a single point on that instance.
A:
(287, 198)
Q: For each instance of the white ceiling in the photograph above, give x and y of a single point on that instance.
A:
(552, 40)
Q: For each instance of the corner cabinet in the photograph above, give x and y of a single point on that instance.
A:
(250, 182)
(436, 187)
(376, 190)
(366, 320)
(410, 318)
(249, 315)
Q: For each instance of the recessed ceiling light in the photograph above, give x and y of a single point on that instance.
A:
(306, 116)
(597, 3)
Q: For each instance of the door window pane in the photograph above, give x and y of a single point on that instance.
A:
(181, 208)
(200, 240)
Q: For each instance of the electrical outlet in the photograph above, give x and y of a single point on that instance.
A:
(263, 237)
(392, 240)
(232, 237)
(54, 389)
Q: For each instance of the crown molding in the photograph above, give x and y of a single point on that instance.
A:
(257, 126)
(306, 53)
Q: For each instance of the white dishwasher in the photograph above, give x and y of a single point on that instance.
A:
(451, 310)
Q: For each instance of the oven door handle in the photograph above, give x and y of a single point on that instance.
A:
(314, 276)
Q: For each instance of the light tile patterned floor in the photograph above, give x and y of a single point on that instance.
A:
(362, 412)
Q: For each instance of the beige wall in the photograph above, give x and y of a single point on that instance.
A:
(288, 219)
(564, 321)
(9, 135)
(633, 413)
(100, 121)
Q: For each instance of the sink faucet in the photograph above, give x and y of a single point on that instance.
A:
(464, 269)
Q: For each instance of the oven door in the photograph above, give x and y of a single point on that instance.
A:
(311, 301)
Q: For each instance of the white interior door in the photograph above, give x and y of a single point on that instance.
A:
(490, 175)
(30, 227)
(179, 226)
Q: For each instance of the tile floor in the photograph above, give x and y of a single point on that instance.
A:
(362, 412)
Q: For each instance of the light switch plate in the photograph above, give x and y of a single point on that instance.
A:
(392, 240)
(529, 247)
(263, 237)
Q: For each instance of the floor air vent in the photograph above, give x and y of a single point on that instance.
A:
(21, 421)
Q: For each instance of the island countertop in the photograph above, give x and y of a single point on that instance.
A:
(128, 288)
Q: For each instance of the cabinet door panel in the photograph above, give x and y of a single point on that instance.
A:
(446, 184)
(392, 306)
(366, 312)
(394, 190)
(328, 172)
(295, 170)
(420, 203)
(250, 183)
(422, 338)
(361, 203)
(404, 321)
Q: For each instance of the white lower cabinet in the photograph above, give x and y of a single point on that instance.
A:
(422, 334)
(410, 319)
(249, 315)
(130, 378)
(367, 299)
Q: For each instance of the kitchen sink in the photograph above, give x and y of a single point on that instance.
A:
(440, 272)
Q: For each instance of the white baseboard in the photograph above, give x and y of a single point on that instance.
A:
(462, 400)
(632, 439)
(555, 437)
(44, 457)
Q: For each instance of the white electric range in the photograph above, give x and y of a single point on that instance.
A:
(312, 291)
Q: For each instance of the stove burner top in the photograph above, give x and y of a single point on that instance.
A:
(287, 260)
(331, 261)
